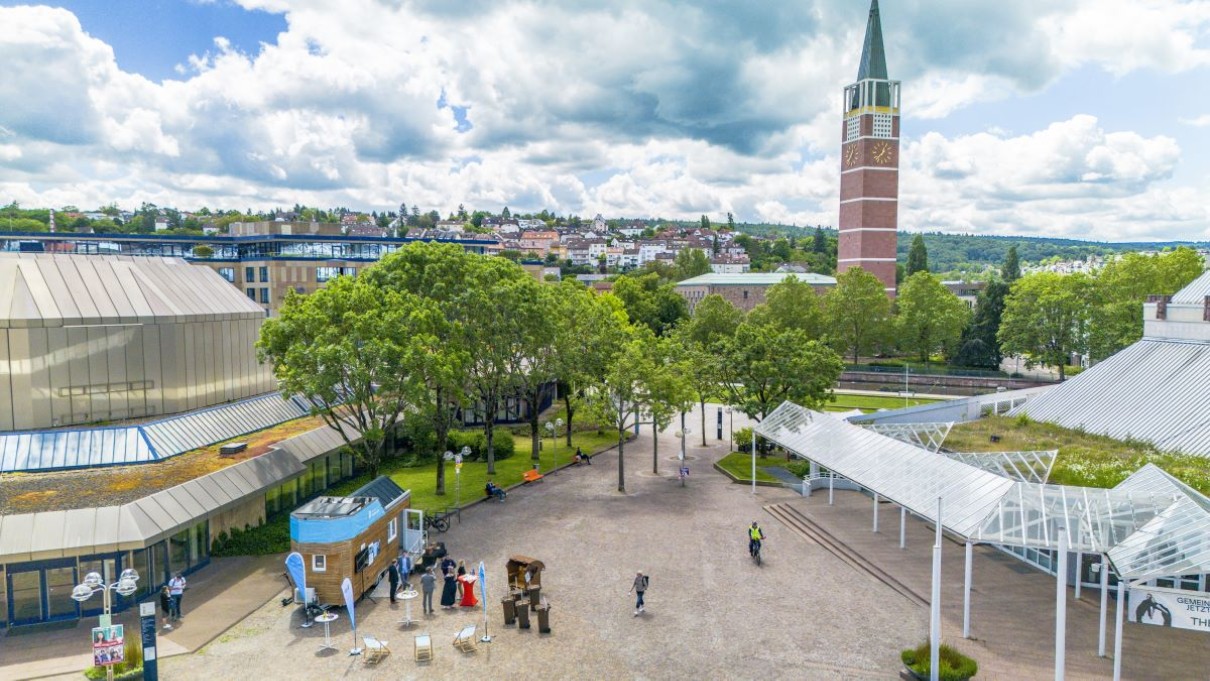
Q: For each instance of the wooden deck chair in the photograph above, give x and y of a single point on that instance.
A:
(424, 647)
(376, 649)
(465, 640)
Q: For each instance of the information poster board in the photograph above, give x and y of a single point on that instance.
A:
(108, 645)
(1170, 608)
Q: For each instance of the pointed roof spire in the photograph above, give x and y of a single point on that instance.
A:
(873, 57)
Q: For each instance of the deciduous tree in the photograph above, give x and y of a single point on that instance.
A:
(1046, 318)
(931, 318)
(857, 312)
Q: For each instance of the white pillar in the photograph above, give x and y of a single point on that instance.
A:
(902, 527)
(875, 511)
(754, 458)
(1061, 609)
(831, 479)
(1117, 634)
(1079, 559)
(935, 605)
(1104, 604)
(966, 592)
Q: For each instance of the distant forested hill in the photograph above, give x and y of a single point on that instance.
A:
(973, 253)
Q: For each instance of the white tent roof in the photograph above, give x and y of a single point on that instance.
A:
(1151, 525)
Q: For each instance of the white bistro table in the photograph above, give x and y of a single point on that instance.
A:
(327, 618)
(407, 597)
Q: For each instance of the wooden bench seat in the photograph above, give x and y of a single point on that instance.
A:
(531, 475)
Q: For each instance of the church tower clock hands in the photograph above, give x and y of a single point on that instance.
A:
(869, 174)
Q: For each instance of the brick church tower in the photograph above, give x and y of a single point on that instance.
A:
(869, 156)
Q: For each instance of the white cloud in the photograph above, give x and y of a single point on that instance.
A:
(1201, 121)
(635, 107)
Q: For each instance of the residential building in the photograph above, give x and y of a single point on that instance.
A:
(730, 264)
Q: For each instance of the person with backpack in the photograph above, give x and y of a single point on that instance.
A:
(641, 581)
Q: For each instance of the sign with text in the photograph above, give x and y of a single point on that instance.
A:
(108, 645)
(1170, 608)
(147, 629)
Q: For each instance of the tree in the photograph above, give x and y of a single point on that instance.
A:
(705, 222)
(593, 328)
(698, 341)
(730, 222)
(1011, 271)
(541, 321)
(636, 380)
(437, 272)
(762, 366)
(819, 242)
(918, 257)
(931, 318)
(691, 262)
(649, 302)
(1046, 318)
(1121, 288)
(506, 214)
(979, 346)
(791, 304)
(857, 312)
(358, 354)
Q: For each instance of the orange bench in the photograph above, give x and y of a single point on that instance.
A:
(531, 475)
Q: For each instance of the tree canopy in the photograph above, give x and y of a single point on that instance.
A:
(931, 318)
(1046, 318)
(857, 311)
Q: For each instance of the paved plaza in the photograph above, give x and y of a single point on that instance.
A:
(712, 614)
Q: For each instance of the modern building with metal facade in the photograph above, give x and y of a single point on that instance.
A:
(44, 554)
(262, 260)
(103, 338)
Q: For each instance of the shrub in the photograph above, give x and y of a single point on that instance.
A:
(271, 537)
(1023, 420)
(954, 665)
(743, 440)
(477, 442)
(799, 468)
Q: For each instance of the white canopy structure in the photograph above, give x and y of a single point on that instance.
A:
(1151, 525)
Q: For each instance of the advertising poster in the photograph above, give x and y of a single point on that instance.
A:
(108, 645)
(1170, 608)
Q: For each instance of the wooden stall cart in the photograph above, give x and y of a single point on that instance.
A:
(355, 536)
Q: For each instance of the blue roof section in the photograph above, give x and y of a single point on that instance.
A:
(49, 450)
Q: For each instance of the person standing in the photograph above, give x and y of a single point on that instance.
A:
(639, 587)
(176, 588)
(405, 569)
(393, 578)
(428, 583)
(449, 590)
(166, 606)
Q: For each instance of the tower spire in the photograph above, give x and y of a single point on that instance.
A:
(873, 57)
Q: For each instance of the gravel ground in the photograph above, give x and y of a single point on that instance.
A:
(711, 613)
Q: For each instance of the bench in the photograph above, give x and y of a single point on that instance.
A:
(531, 475)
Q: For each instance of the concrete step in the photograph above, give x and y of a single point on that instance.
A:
(806, 528)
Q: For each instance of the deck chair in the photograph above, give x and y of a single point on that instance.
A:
(465, 640)
(424, 647)
(376, 649)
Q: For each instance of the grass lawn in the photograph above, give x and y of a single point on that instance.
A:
(422, 480)
(1084, 459)
(869, 403)
(740, 465)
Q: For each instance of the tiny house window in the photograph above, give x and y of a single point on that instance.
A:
(319, 563)
(392, 529)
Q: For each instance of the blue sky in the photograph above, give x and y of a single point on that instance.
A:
(1079, 118)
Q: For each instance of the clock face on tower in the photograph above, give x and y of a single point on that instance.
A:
(883, 154)
(850, 156)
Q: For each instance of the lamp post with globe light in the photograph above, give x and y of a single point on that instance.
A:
(127, 584)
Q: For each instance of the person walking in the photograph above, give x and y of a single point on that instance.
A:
(428, 583)
(393, 578)
(449, 590)
(639, 587)
(166, 606)
(176, 588)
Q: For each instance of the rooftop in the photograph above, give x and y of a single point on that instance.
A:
(755, 279)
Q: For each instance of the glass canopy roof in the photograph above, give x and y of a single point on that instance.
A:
(1151, 525)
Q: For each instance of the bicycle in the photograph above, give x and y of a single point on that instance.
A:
(437, 522)
(756, 553)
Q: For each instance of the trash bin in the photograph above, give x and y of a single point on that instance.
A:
(534, 596)
(544, 617)
(510, 609)
(522, 617)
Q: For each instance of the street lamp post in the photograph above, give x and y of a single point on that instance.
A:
(731, 429)
(127, 584)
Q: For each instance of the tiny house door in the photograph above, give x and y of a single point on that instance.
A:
(413, 531)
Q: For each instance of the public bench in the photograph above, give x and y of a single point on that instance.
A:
(531, 475)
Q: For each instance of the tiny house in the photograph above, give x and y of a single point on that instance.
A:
(355, 536)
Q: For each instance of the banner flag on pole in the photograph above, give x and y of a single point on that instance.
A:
(483, 589)
(298, 574)
(346, 588)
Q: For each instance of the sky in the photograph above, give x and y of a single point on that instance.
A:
(1069, 118)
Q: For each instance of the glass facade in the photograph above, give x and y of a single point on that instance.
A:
(321, 474)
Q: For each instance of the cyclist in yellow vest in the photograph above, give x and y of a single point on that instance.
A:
(755, 535)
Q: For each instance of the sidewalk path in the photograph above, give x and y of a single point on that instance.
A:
(219, 596)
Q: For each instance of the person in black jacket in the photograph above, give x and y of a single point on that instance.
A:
(166, 606)
(393, 578)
